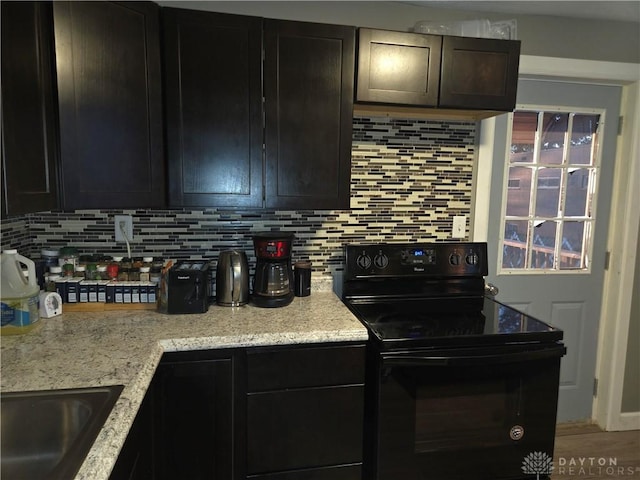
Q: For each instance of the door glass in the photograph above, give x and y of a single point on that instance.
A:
(583, 136)
(544, 244)
(515, 249)
(571, 256)
(553, 138)
(548, 192)
(525, 125)
(548, 227)
(519, 191)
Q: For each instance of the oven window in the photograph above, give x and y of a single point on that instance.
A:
(451, 415)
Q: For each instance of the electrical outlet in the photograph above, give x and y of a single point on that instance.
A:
(459, 226)
(126, 222)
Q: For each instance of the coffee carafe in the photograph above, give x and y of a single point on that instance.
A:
(273, 280)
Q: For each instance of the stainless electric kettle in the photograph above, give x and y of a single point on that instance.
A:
(232, 278)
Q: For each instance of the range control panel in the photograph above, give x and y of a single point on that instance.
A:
(445, 259)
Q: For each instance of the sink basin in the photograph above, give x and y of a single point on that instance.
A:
(47, 434)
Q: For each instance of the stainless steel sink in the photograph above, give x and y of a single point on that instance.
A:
(47, 434)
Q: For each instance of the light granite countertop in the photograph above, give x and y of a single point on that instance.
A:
(77, 350)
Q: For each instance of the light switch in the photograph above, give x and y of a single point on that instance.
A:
(459, 226)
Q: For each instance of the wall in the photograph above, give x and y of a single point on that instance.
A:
(631, 388)
(408, 178)
(541, 35)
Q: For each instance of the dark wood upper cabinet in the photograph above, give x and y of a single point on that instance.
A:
(446, 72)
(29, 127)
(308, 85)
(213, 97)
(479, 73)
(110, 102)
(258, 112)
(398, 67)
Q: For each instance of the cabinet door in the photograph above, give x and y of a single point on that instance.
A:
(342, 472)
(193, 411)
(398, 67)
(304, 428)
(213, 108)
(29, 135)
(308, 84)
(135, 458)
(479, 73)
(109, 90)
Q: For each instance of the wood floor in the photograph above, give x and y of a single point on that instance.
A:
(584, 452)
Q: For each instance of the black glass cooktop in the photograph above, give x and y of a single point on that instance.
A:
(450, 321)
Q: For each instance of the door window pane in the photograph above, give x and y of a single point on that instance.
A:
(548, 192)
(544, 244)
(577, 191)
(553, 138)
(515, 251)
(571, 255)
(582, 138)
(523, 137)
(519, 191)
(547, 227)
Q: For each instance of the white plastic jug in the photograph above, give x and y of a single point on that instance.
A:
(19, 296)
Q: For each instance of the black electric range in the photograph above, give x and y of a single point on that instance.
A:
(459, 385)
(429, 295)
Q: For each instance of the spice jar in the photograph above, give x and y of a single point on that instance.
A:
(145, 274)
(155, 275)
(123, 274)
(134, 274)
(68, 255)
(68, 270)
(80, 271)
(112, 271)
(101, 272)
(91, 271)
(50, 257)
(50, 282)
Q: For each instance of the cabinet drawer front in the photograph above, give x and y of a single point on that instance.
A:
(343, 472)
(305, 367)
(307, 428)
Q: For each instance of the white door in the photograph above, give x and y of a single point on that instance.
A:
(550, 260)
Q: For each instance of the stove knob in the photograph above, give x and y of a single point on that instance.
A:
(454, 259)
(472, 259)
(516, 433)
(381, 260)
(364, 261)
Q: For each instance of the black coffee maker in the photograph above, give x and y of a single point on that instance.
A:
(273, 280)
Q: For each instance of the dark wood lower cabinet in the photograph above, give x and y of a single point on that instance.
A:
(271, 413)
(341, 472)
(311, 427)
(193, 419)
(305, 412)
(135, 461)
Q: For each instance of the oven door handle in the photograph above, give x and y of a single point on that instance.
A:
(413, 360)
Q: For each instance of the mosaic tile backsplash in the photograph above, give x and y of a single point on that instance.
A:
(408, 179)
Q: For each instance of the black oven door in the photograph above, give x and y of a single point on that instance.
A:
(476, 413)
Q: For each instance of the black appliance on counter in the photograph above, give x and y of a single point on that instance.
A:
(188, 287)
(459, 386)
(273, 280)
